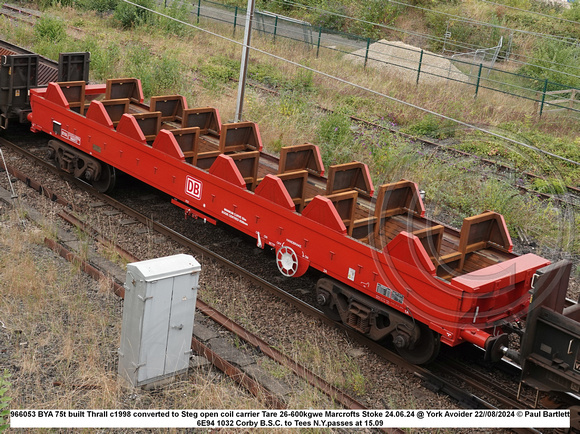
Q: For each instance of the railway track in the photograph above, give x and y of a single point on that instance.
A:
(24, 15)
(466, 398)
(225, 322)
(573, 192)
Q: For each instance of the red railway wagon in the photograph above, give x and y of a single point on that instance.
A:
(389, 271)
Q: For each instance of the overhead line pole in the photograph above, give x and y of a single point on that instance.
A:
(244, 64)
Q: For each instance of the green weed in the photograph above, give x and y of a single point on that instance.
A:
(158, 74)
(4, 400)
(335, 138)
(50, 29)
(291, 104)
(105, 58)
(129, 16)
(550, 186)
(217, 71)
(432, 126)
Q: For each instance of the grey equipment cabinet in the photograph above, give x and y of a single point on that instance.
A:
(158, 314)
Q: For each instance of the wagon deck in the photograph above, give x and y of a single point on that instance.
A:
(348, 185)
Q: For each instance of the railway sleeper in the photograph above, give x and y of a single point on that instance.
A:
(413, 340)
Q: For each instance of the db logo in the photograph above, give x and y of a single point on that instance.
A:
(193, 187)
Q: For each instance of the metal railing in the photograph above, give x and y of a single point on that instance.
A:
(487, 56)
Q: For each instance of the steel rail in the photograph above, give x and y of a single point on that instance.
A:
(29, 12)
(230, 370)
(14, 13)
(280, 357)
(237, 374)
(331, 391)
(85, 227)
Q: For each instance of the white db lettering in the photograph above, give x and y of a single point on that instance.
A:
(193, 187)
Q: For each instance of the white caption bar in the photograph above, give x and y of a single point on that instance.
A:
(290, 418)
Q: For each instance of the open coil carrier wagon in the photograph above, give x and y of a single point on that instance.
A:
(389, 271)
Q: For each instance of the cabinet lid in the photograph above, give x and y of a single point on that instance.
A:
(163, 268)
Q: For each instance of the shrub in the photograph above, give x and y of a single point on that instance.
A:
(555, 60)
(98, 5)
(180, 11)
(573, 14)
(332, 18)
(49, 29)
(375, 11)
(133, 16)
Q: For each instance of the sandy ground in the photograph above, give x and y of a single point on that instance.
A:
(403, 59)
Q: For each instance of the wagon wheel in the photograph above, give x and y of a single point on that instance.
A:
(323, 298)
(107, 180)
(425, 349)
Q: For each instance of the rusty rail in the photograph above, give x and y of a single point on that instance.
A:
(230, 370)
(331, 391)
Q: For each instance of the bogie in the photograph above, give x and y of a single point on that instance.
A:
(413, 340)
(100, 175)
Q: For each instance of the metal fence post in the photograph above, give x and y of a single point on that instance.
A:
(235, 19)
(543, 96)
(478, 79)
(419, 67)
(275, 27)
(319, 36)
(198, 10)
(367, 52)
